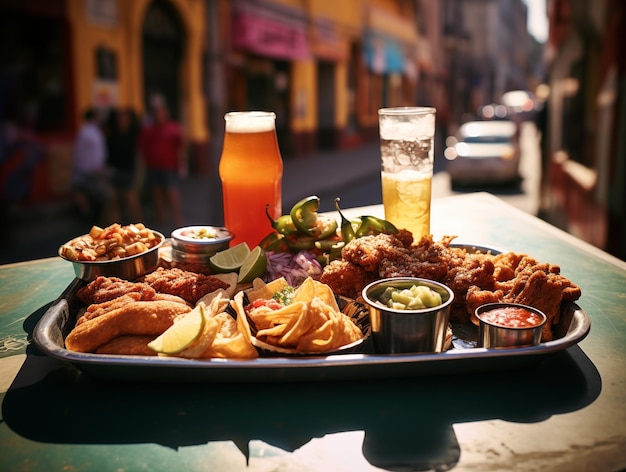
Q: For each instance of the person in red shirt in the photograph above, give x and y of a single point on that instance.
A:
(161, 145)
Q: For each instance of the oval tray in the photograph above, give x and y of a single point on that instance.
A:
(58, 320)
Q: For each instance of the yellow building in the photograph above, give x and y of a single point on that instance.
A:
(324, 67)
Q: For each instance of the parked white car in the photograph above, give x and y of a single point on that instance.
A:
(484, 152)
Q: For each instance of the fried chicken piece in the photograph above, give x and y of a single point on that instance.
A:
(505, 265)
(132, 345)
(571, 291)
(542, 291)
(136, 318)
(476, 297)
(405, 237)
(188, 285)
(368, 251)
(104, 289)
(476, 270)
(427, 259)
(346, 279)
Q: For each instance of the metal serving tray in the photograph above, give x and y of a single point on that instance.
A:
(59, 319)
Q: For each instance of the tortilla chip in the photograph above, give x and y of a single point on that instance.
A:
(261, 290)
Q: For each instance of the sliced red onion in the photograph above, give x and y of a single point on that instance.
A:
(295, 268)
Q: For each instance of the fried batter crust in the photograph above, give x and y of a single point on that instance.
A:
(133, 345)
(188, 285)
(136, 318)
(345, 278)
(104, 289)
(98, 309)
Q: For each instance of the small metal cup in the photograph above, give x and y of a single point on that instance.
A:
(408, 331)
(186, 248)
(127, 268)
(492, 335)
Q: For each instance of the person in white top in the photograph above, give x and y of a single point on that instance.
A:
(90, 183)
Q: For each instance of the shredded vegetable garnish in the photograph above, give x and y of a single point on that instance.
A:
(295, 268)
(285, 296)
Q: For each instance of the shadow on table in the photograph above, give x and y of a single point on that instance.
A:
(407, 422)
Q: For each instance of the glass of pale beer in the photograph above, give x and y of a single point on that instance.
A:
(251, 170)
(407, 154)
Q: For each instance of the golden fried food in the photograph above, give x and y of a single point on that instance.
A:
(187, 285)
(98, 309)
(136, 318)
(128, 345)
(544, 292)
(368, 251)
(104, 289)
(345, 278)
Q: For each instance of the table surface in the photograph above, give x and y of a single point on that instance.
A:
(565, 412)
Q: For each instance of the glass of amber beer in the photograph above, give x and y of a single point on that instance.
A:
(251, 170)
(406, 145)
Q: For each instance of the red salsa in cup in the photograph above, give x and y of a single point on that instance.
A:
(512, 317)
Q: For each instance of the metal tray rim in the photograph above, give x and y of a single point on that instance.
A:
(268, 368)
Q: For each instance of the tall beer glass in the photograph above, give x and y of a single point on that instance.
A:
(251, 170)
(406, 146)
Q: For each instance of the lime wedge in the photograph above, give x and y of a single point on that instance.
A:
(182, 334)
(231, 259)
(254, 266)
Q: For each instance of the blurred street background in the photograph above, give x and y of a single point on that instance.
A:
(555, 69)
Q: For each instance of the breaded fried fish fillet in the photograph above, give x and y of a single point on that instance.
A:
(136, 318)
(132, 345)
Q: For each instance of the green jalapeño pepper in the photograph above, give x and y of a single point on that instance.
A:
(331, 247)
(284, 224)
(274, 242)
(347, 230)
(371, 225)
(297, 242)
(305, 217)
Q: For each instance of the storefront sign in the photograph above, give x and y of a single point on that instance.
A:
(383, 55)
(327, 44)
(269, 37)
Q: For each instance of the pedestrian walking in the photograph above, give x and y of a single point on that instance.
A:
(122, 156)
(161, 146)
(90, 185)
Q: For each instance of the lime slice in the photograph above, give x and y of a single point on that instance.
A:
(182, 334)
(231, 259)
(254, 266)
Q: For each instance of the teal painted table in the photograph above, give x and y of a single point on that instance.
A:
(563, 413)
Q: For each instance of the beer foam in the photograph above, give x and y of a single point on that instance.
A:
(250, 122)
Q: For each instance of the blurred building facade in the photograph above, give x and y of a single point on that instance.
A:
(325, 66)
(585, 123)
(69, 55)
